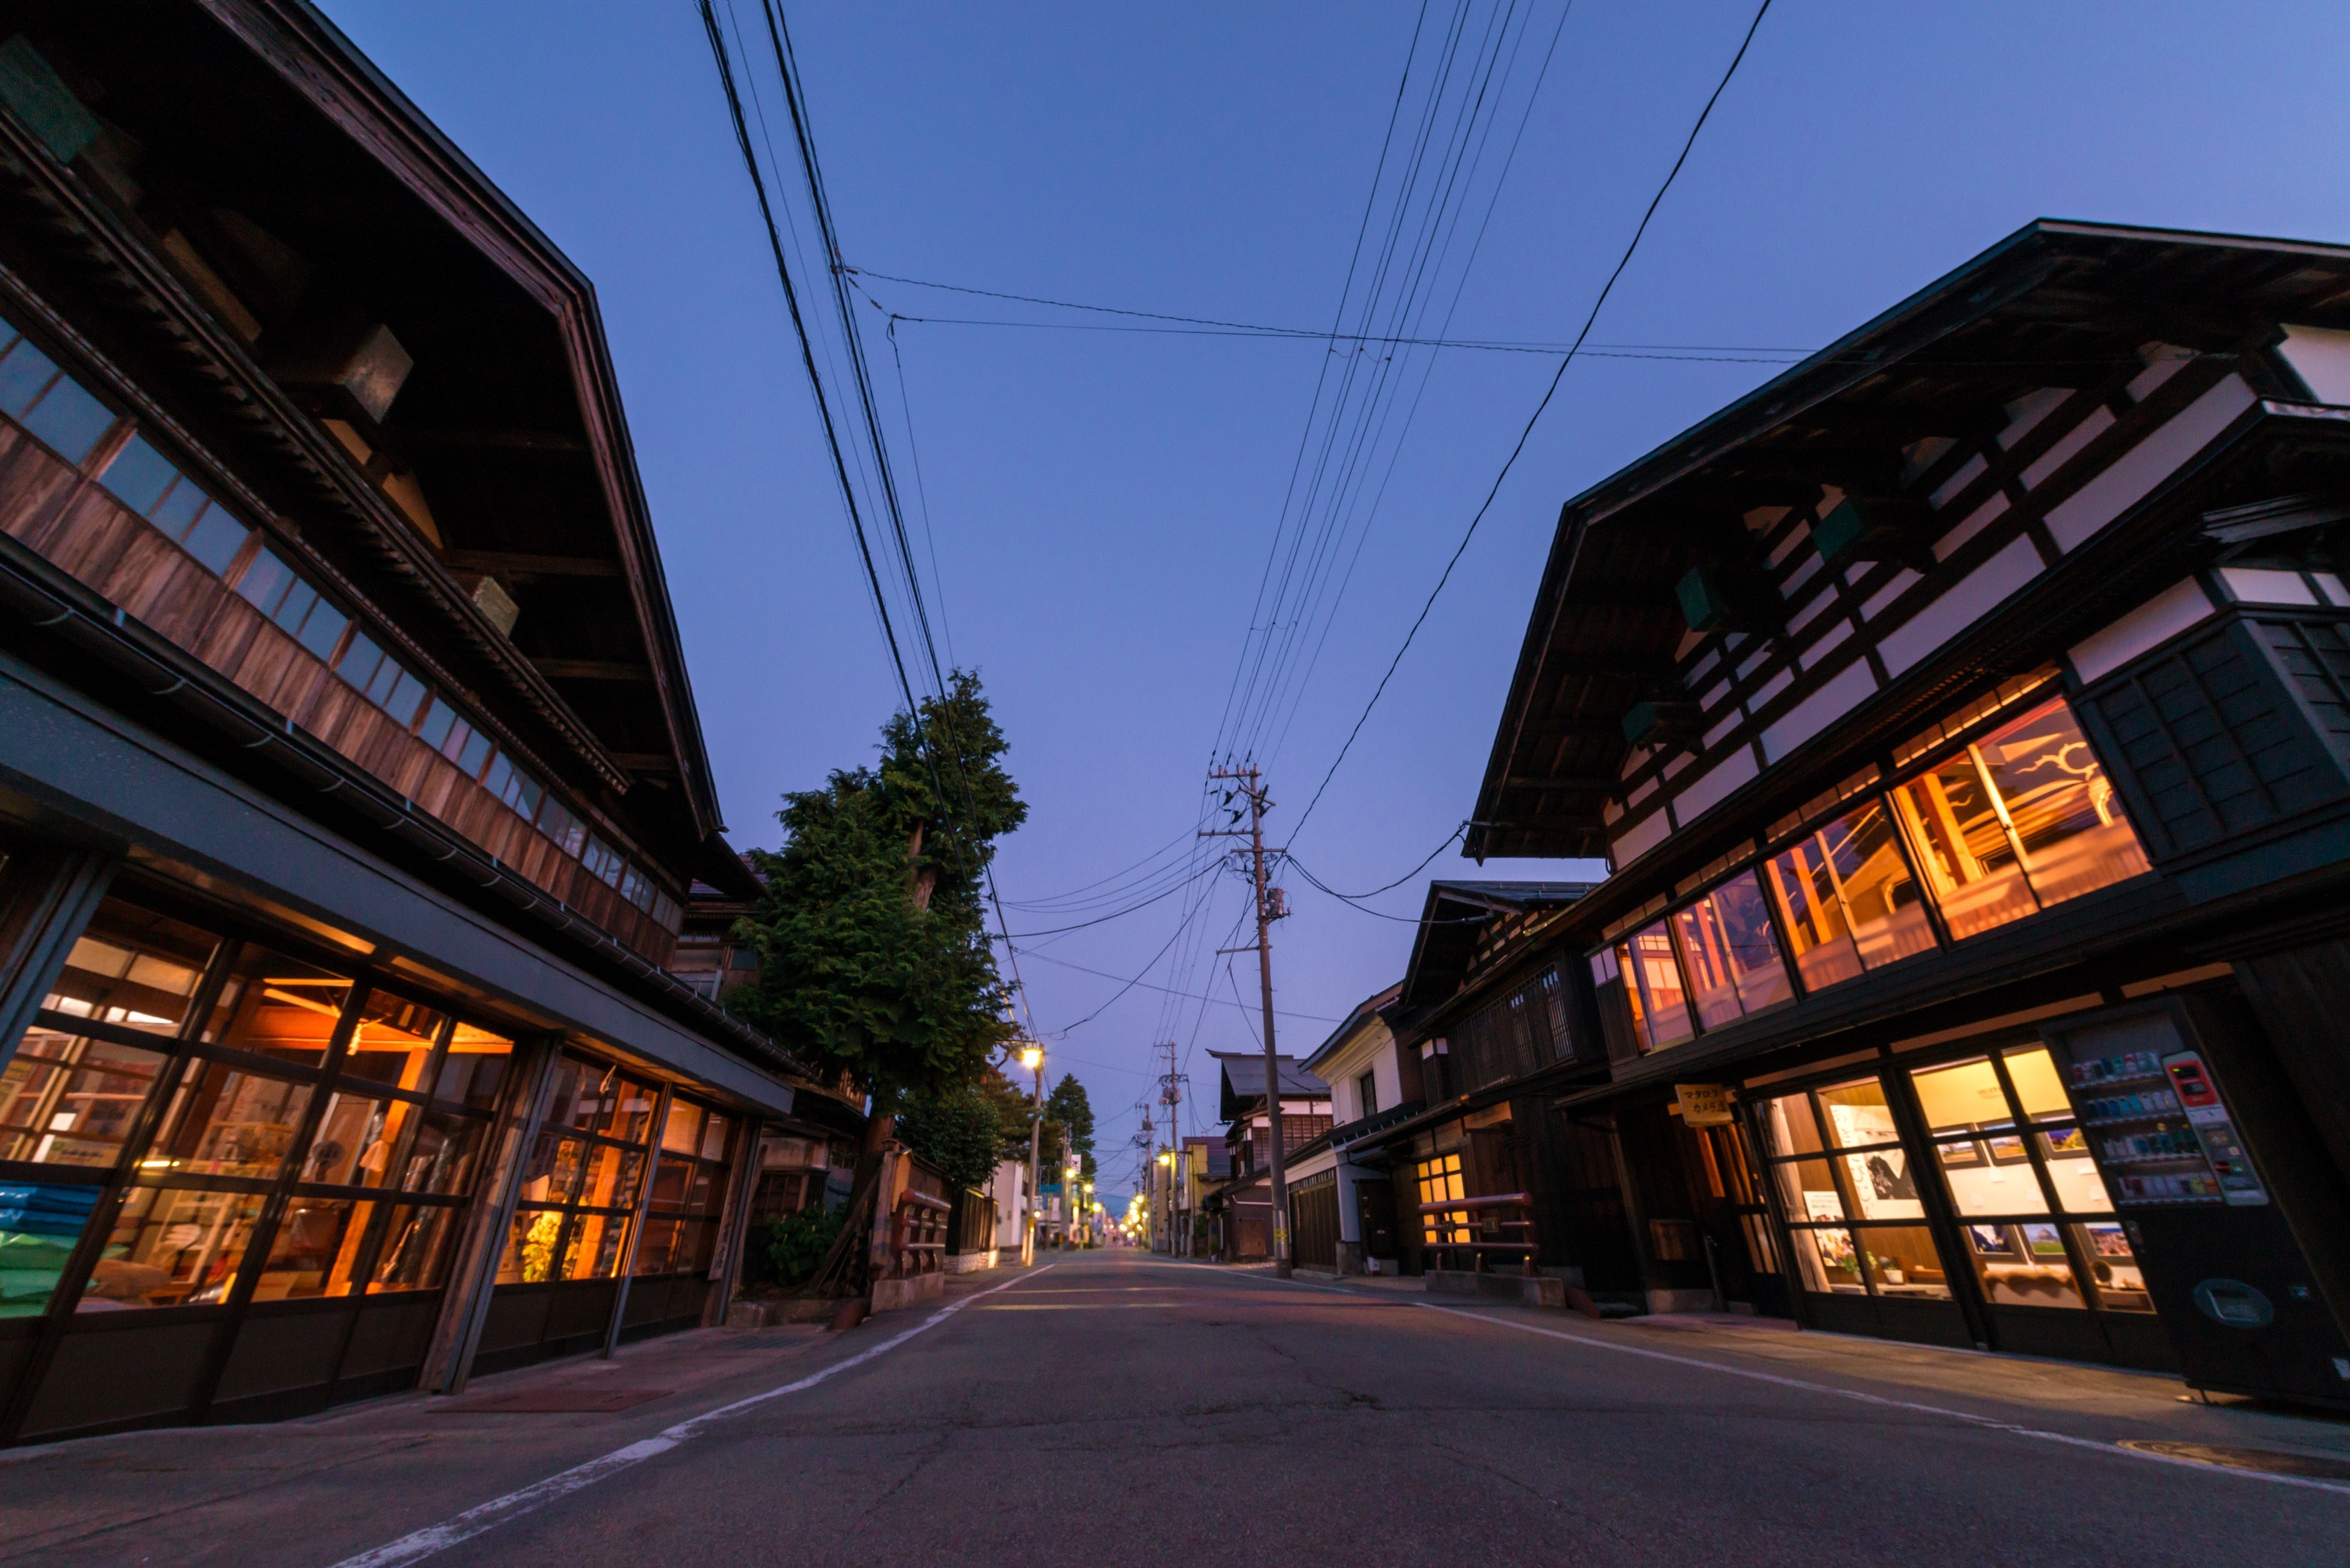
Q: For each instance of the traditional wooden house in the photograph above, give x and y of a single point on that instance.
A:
(1375, 1084)
(1490, 1030)
(1243, 1204)
(353, 782)
(1963, 712)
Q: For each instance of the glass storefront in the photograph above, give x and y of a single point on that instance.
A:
(1990, 1202)
(199, 1129)
(2040, 1229)
(1845, 1182)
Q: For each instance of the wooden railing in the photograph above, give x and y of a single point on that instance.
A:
(1478, 1228)
(920, 1242)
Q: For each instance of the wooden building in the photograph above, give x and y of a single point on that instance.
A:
(352, 784)
(1243, 1204)
(1966, 716)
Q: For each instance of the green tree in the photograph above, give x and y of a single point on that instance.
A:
(1068, 1106)
(957, 1129)
(873, 955)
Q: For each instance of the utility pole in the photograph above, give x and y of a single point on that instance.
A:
(1171, 1096)
(1270, 906)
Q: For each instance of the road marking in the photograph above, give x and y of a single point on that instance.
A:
(417, 1545)
(1985, 1422)
(1085, 1306)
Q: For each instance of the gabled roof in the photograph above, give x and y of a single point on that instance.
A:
(1455, 921)
(2054, 305)
(1241, 1082)
(1364, 1013)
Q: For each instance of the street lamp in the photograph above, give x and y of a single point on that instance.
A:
(1033, 1058)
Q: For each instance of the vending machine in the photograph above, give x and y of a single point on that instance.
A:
(2192, 1164)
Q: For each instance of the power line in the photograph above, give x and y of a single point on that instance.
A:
(1533, 420)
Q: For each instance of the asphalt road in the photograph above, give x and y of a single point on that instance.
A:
(1116, 1409)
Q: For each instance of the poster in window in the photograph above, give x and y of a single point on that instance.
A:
(1882, 1183)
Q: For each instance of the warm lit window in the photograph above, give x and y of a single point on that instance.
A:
(2023, 818)
(1847, 897)
(1652, 983)
(1735, 967)
(1440, 1182)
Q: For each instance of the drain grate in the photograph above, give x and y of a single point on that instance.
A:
(2269, 1462)
(554, 1401)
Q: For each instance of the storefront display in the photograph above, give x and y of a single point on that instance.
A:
(2228, 1275)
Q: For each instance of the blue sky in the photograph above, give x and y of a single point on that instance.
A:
(1101, 504)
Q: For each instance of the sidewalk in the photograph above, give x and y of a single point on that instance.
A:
(2152, 1406)
(313, 1490)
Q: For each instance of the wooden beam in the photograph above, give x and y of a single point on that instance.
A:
(1598, 782)
(646, 761)
(510, 564)
(460, 439)
(593, 670)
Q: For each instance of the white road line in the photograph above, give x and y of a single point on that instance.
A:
(1984, 1422)
(417, 1545)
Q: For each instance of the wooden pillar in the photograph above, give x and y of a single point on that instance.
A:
(726, 1266)
(448, 1359)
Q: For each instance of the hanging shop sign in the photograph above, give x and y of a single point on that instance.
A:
(1704, 1105)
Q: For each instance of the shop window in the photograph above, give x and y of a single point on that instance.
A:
(441, 1159)
(2034, 1210)
(1790, 1126)
(1847, 897)
(611, 1178)
(633, 1105)
(316, 1249)
(227, 1121)
(70, 1100)
(353, 1144)
(474, 1069)
(1954, 819)
(715, 1132)
(1652, 982)
(682, 1134)
(1732, 957)
(1903, 1260)
(595, 1246)
(1808, 1189)
(529, 1255)
(133, 969)
(416, 1248)
(40, 1222)
(554, 1170)
(1828, 1262)
(172, 1247)
(392, 1041)
(278, 1007)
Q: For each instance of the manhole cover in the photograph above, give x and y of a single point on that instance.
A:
(2266, 1461)
(554, 1401)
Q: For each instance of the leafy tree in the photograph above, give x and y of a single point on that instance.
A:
(873, 954)
(785, 1251)
(1013, 1106)
(1068, 1106)
(955, 1128)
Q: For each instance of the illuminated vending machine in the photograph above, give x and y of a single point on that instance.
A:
(2193, 1163)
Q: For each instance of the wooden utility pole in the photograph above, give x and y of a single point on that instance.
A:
(1251, 788)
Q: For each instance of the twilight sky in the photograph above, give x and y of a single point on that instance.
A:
(1101, 503)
